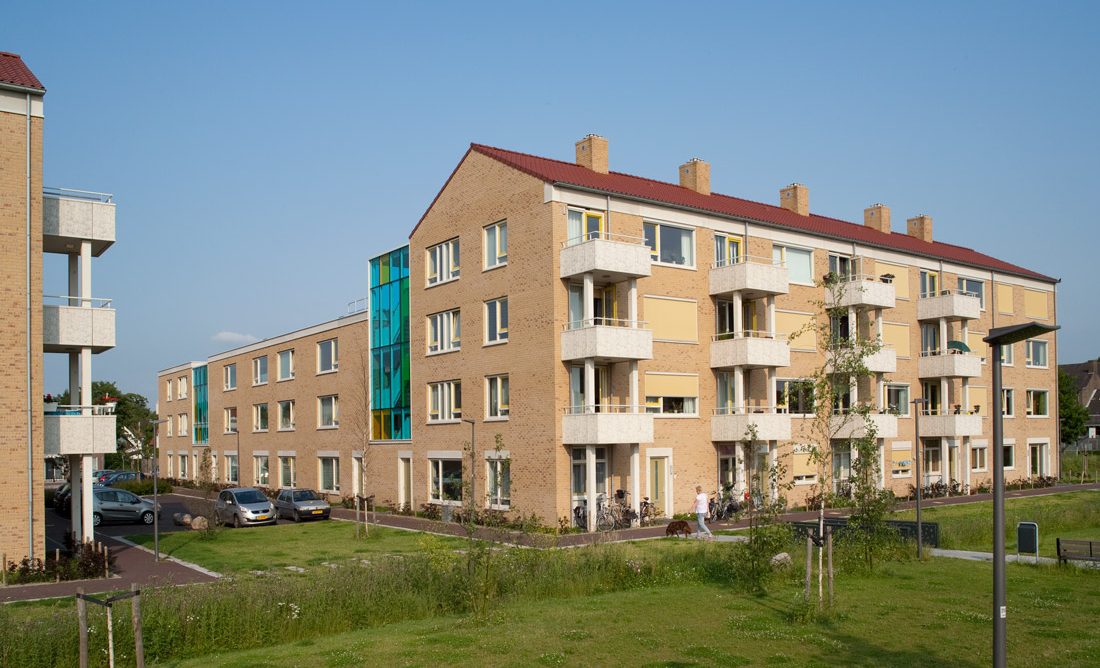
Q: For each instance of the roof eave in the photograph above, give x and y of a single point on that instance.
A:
(22, 89)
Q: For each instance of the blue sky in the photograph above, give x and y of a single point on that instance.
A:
(261, 152)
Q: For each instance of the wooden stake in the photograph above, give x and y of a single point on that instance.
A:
(82, 617)
(829, 544)
(110, 638)
(809, 565)
(106, 563)
(135, 614)
(4, 567)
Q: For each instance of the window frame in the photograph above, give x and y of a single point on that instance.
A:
(928, 279)
(259, 378)
(168, 390)
(282, 374)
(443, 393)
(908, 402)
(449, 322)
(334, 463)
(229, 420)
(655, 405)
(1008, 402)
(1029, 357)
(182, 424)
(266, 470)
(443, 254)
(722, 244)
(291, 459)
(984, 457)
(655, 249)
(1008, 452)
(781, 390)
(334, 356)
(1008, 359)
(782, 250)
(498, 477)
(288, 403)
(962, 281)
(496, 307)
(585, 214)
(436, 479)
(256, 414)
(335, 410)
(501, 384)
(229, 377)
(181, 387)
(232, 469)
(1029, 398)
(500, 259)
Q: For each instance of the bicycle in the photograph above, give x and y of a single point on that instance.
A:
(647, 512)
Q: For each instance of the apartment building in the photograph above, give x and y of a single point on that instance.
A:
(271, 413)
(34, 220)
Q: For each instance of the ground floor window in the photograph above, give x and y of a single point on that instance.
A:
(977, 458)
(170, 459)
(932, 460)
(232, 473)
(329, 474)
(580, 473)
(727, 471)
(183, 467)
(1038, 459)
(261, 472)
(1009, 457)
(286, 471)
(842, 464)
(446, 477)
(500, 483)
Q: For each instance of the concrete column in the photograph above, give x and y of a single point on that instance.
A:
(86, 482)
(966, 464)
(945, 400)
(74, 279)
(590, 398)
(739, 466)
(769, 326)
(738, 315)
(634, 385)
(771, 388)
(878, 323)
(86, 271)
(85, 381)
(882, 463)
(590, 484)
(853, 326)
(773, 460)
(739, 388)
(75, 479)
(632, 301)
(589, 294)
(943, 334)
(635, 479)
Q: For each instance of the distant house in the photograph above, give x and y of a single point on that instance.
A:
(1087, 377)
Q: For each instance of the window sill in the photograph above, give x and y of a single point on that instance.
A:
(428, 286)
(900, 476)
(259, 384)
(675, 416)
(1032, 366)
(499, 506)
(979, 470)
(259, 431)
(672, 265)
(496, 419)
(283, 380)
(495, 266)
(494, 343)
(229, 389)
(326, 373)
(1037, 417)
(437, 502)
(285, 429)
(458, 421)
(442, 352)
(804, 483)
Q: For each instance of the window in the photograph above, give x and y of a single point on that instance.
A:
(286, 472)
(496, 320)
(932, 457)
(977, 458)
(181, 387)
(183, 466)
(286, 365)
(1007, 355)
(229, 377)
(974, 287)
(584, 226)
(1036, 353)
(670, 245)
(929, 283)
(232, 471)
(498, 396)
(445, 332)
(580, 472)
(260, 470)
(230, 419)
(727, 472)
(901, 460)
(445, 401)
(496, 245)
(329, 474)
(1009, 456)
(168, 390)
(328, 356)
(929, 339)
(798, 261)
(1037, 403)
(168, 425)
(446, 480)
(259, 370)
(671, 405)
(1007, 399)
(443, 262)
(842, 463)
(183, 424)
(840, 266)
(727, 250)
(795, 396)
(259, 417)
(286, 415)
(931, 391)
(500, 483)
(840, 332)
(897, 399)
(328, 412)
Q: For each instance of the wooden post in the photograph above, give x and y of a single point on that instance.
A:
(4, 567)
(110, 638)
(82, 617)
(135, 614)
(357, 504)
(809, 565)
(106, 562)
(829, 544)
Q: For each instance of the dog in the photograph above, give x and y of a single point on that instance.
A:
(677, 528)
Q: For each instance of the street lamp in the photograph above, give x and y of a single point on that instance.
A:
(156, 475)
(998, 337)
(473, 463)
(919, 402)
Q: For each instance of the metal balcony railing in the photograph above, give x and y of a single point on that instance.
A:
(604, 236)
(73, 193)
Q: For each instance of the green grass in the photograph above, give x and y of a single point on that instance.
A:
(305, 545)
(935, 613)
(970, 526)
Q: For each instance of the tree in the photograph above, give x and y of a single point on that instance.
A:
(358, 425)
(1072, 415)
(131, 411)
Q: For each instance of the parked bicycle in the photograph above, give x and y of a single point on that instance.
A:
(724, 505)
(647, 512)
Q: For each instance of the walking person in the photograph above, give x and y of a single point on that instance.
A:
(702, 502)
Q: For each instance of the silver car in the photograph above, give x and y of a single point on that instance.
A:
(301, 504)
(119, 505)
(243, 506)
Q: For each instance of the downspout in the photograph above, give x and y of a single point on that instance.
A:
(30, 388)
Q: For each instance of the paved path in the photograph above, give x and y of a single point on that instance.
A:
(988, 556)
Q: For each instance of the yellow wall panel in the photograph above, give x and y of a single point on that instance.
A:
(671, 319)
(789, 323)
(901, 277)
(979, 397)
(977, 346)
(1004, 299)
(662, 385)
(901, 459)
(1035, 304)
(896, 336)
(800, 464)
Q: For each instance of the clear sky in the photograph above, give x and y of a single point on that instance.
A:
(261, 152)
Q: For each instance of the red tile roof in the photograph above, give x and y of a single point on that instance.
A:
(14, 71)
(616, 183)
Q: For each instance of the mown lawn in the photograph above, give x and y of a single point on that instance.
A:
(970, 526)
(303, 545)
(932, 614)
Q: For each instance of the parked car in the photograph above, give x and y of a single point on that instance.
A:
(121, 476)
(118, 505)
(242, 506)
(101, 474)
(301, 504)
(61, 497)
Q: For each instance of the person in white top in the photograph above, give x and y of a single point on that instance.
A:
(702, 503)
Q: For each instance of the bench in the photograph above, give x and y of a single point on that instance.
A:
(1078, 550)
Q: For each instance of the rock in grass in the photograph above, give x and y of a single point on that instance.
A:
(781, 561)
(181, 519)
(199, 523)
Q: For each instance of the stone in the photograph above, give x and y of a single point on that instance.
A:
(181, 519)
(199, 523)
(781, 561)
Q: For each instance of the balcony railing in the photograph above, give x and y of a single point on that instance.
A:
(849, 424)
(755, 276)
(616, 257)
(606, 424)
(73, 193)
(948, 364)
(864, 290)
(604, 236)
(611, 339)
(79, 430)
(742, 423)
(950, 304)
(70, 323)
(749, 348)
(949, 423)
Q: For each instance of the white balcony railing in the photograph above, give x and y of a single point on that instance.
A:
(606, 425)
(751, 349)
(610, 339)
(950, 304)
(853, 425)
(70, 323)
(862, 291)
(950, 424)
(948, 364)
(616, 257)
(732, 423)
(79, 430)
(752, 275)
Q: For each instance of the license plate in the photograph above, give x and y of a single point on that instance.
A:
(261, 517)
(318, 512)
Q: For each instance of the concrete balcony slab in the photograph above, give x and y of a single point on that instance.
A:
(78, 434)
(609, 343)
(950, 305)
(949, 365)
(611, 258)
(866, 293)
(754, 279)
(730, 426)
(749, 351)
(70, 328)
(71, 217)
(852, 425)
(934, 426)
(606, 428)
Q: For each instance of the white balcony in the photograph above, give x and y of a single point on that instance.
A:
(748, 349)
(606, 339)
(854, 425)
(79, 430)
(72, 216)
(864, 292)
(68, 326)
(949, 304)
(751, 276)
(950, 425)
(884, 361)
(583, 425)
(949, 364)
(733, 424)
(611, 257)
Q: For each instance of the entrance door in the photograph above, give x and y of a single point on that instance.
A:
(405, 472)
(658, 483)
(1038, 463)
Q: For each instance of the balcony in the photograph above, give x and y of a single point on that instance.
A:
(79, 430)
(611, 257)
(958, 424)
(606, 340)
(70, 217)
(732, 424)
(755, 277)
(853, 425)
(74, 323)
(948, 364)
(884, 361)
(950, 304)
(863, 292)
(583, 425)
(753, 350)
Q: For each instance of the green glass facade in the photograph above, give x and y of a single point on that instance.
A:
(389, 346)
(200, 433)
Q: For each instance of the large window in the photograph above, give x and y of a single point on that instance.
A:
(230, 419)
(445, 331)
(259, 370)
(672, 405)
(1036, 353)
(727, 250)
(1009, 456)
(580, 473)
(286, 364)
(1037, 403)
(929, 339)
(328, 356)
(1008, 398)
(168, 390)
(229, 377)
(974, 287)
(496, 244)
(261, 472)
(286, 415)
(498, 396)
(232, 472)
(183, 466)
(584, 226)
(259, 417)
(795, 396)
(840, 266)
(329, 474)
(978, 457)
(1007, 355)
(500, 483)
(931, 391)
(328, 412)
(168, 425)
(496, 320)
(445, 401)
(181, 387)
(443, 262)
(897, 399)
(287, 473)
(446, 480)
(182, 424)
(798, 261)
(929, 283)
(670, 245)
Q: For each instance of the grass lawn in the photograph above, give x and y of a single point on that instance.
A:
(936, 613)
(304, 545)
(970, 526)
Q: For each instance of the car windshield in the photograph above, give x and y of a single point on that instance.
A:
(250, 496)
(305, 495)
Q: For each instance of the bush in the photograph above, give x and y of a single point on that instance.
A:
(145, 487)
(82, 563)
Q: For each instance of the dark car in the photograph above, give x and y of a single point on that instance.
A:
(301, 504)
(119, 505)
(99, 476)
(121, 476)
(243, 506)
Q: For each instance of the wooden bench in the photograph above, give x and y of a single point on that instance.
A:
(1078, 550)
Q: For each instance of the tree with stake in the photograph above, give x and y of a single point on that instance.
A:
(358, 427)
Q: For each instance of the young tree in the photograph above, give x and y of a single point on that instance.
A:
(358, 425)
(1072, 415)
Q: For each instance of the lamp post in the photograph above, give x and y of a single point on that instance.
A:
(999, 337)
(156, 475)
(919, 402)
(473, 463)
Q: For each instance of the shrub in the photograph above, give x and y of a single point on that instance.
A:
(145, 487)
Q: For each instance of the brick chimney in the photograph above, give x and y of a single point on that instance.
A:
(877, 216)
(795, 197)
(920, 227)
(695, 174)
(592, 153)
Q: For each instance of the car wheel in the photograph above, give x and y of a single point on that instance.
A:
(147, 517)
(297, 516)
(97, 519)
(236, 521)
